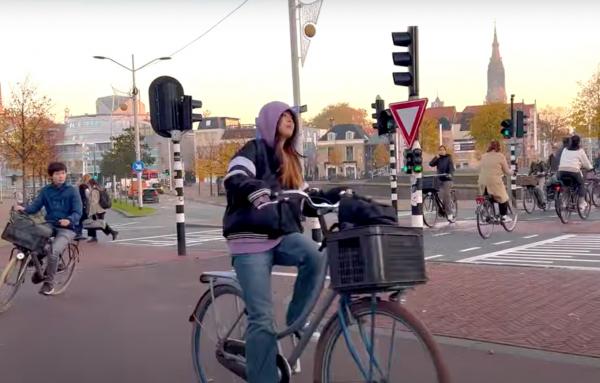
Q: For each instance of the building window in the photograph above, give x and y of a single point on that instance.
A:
(331, 136)
(329, 152)
(349, 135)
(349, 153)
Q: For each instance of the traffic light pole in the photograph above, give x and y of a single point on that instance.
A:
(416, 194)
(393, 171)
(179, 212)
(513, 157)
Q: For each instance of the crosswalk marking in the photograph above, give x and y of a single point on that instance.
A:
(570, 251)
(191, 238)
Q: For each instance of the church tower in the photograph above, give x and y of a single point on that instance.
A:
(496, 91)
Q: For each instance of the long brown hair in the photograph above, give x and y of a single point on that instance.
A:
(290, 171)
(494, 146)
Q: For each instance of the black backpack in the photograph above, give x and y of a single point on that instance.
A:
(105, 201)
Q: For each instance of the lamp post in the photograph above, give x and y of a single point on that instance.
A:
(134, 97)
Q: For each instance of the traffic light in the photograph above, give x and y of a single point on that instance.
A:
(522, 122)
(187, 115)
(166, 172)
(507, 129)
(165, 95)
(408, 161)
(417, 160)
(408, 59)
(378, 106)
(385, 123)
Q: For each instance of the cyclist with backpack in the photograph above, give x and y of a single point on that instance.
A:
(99, 203)
(63, 211)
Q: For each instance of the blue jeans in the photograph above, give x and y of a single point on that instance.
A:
(254, 274)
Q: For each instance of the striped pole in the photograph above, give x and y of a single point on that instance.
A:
(416, 194)
(393, 178)
(513, 175)
(178, 177)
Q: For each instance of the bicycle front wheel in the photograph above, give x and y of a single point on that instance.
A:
(596, 194)
(584, 213)
(11, 278)
(430, 210)
(386, 342)
(454, 208)
(562, 205)
(66, 267)
(513, 216)
(213, 322)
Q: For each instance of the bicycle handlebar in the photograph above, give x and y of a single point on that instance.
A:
(304, 196)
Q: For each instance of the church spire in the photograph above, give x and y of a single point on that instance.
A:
(496, 91)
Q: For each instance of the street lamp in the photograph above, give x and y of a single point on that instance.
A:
(134, 95)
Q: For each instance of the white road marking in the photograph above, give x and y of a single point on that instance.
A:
(531, 236)
(440, 234)
(470, 249)
(501, 242)
(434, 256)
(167, 235)
(509, 250)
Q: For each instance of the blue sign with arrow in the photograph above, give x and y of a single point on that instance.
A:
(137, 166)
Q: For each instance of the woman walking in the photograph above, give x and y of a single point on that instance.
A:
(97, 213)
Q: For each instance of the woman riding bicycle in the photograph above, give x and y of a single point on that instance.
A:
(445, 166)
(492, 168)
(572, 160)
(261, 233)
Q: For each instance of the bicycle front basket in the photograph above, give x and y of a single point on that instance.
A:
(375, 258)
(22, 231)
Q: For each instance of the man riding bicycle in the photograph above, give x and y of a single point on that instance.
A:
(63, 210)
(572, 161)
(445, 167)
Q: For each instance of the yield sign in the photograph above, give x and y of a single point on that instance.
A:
(408, 116)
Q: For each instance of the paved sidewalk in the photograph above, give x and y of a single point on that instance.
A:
(549, 309)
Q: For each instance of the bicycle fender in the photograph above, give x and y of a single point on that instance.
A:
(217, 282)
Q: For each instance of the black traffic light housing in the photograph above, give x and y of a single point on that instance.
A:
(522, 122)
(410, 59)
(378, 106)
(408, 161)
(170, 109)
(385, 122)
(417, 160)
(507, 129)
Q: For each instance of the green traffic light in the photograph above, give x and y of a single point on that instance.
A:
(418, 168)
(405, 168)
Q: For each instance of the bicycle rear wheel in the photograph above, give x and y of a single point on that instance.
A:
(529, 201)
(211, 321)
(11, 278)
(485, 219)
(562, 205)
(386, 342)
(66, 268)
(430, 210)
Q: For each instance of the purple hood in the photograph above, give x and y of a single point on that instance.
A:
(266, 122)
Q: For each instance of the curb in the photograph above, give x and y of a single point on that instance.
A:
(127, 215)
(197, 224)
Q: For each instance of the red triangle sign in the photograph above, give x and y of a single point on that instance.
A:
(408, 116)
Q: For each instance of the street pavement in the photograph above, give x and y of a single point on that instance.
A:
(521, 306)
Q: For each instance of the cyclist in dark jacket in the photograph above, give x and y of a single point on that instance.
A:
(445, 166)
(261, 233)
(63, 211)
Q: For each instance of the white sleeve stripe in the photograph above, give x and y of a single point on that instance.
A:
(242, 161)
(259, 193)
(234, 172)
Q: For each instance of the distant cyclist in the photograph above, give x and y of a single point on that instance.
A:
(572, 161)
(445, 166)
(492, 168)
(63, 210)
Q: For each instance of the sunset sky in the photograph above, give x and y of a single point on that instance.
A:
(546, 46)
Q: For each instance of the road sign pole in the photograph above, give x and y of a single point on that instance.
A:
(179, 212)
(513, 157)
(416, 194)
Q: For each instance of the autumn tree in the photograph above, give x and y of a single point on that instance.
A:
(485, 124)
(342, 113)
(553, 125)
(585, 110)
(119, 158)
(24, 130)
(429, 135)
(381, 156)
